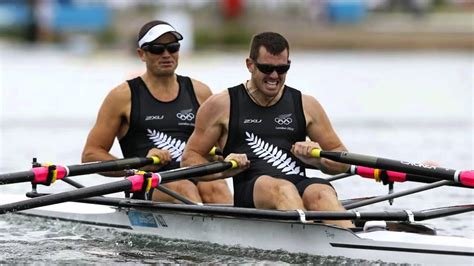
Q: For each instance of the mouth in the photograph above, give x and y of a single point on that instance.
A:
(271, 84)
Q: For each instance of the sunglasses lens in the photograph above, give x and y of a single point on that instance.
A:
(268, 69)
(155, 48)
(160, 48)
(282, 69)
(173, 47)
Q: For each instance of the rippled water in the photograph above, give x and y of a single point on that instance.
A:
(408, 106)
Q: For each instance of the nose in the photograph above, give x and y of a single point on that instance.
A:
(274, 74)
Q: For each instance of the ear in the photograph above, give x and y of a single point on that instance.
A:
(250, 64)
(141, 54)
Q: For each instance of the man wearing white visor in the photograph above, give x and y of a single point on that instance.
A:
(154, 115)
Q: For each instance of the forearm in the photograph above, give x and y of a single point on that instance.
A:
(191, 158)
(94, 155)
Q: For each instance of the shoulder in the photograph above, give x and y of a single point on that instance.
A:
(202, 91)
(309, 102)
(218, 103)
(120, 94)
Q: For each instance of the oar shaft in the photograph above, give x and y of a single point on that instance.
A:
(16, 177)
(67, 196)
(464, 177)
(105, 166)
(41, 174)
(392, 176)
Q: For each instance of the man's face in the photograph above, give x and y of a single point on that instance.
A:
(161, 56)
(265, 69)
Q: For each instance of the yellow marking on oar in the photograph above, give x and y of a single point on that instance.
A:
(316, 153)
(234, 164)
(148, 185)
(156, 159)
(377, 174)
(54, 173)
(213, 151)
(140, 172)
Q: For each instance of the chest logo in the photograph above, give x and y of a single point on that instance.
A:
(185, 115)
(252, 121)
(165, 142)
(273, 155)
(154, 117)
(284, 119)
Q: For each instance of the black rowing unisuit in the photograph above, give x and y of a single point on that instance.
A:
(266, 134)
(154, 123)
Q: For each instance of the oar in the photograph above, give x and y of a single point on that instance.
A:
(49, 173)
(138, 182)
(392, 176)
(464, 177)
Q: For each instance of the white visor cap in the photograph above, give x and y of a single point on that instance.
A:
(156, 31)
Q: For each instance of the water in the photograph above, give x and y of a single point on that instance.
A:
(412, 106)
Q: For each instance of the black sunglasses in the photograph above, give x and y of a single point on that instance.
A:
(268, 69)
(172, 47)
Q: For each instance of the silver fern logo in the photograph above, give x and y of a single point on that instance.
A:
(272, 155)
(284, 119)
(165, 142)
(185, 115)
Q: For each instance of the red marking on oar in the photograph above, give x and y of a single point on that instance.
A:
(41, 173)
(137, 181)
(467, 178)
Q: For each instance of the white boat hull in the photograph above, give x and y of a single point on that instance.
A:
(294, 237)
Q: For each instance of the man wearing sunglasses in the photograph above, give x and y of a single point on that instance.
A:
(154, 115)
(263, 125)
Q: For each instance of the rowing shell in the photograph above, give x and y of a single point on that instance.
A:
(211, 224)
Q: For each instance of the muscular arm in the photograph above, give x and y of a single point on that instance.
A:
(320, 130)
(202, 91)
(211, 128)
(112, 121)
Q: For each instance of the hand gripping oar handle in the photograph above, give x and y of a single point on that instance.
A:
(41, 174)
(132, 183)
(464, 177)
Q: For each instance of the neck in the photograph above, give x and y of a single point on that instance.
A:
(260, 98)
(160, 83)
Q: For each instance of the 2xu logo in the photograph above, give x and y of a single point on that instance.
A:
(252, 121)
(418, 165)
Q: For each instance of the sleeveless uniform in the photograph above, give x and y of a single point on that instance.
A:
(164, 125)
(266, 135)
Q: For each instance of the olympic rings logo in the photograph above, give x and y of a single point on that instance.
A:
(184, 117)
(283, 121)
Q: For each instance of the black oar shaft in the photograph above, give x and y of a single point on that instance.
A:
(105, 166)
(16, 177)
(104, 189)
(78, 169)
(395, 195)
(130, 184)
(194, 171)
(400, 166)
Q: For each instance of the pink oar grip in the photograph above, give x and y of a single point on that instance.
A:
(467, 178)
(396, 176)
(41, 174)
(137, 181)
(365, 171)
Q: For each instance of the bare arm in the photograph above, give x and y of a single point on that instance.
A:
(202, 91)
(322, 135)
(211, 128)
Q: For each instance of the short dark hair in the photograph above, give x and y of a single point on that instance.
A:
(145, 28)
(274, 42)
